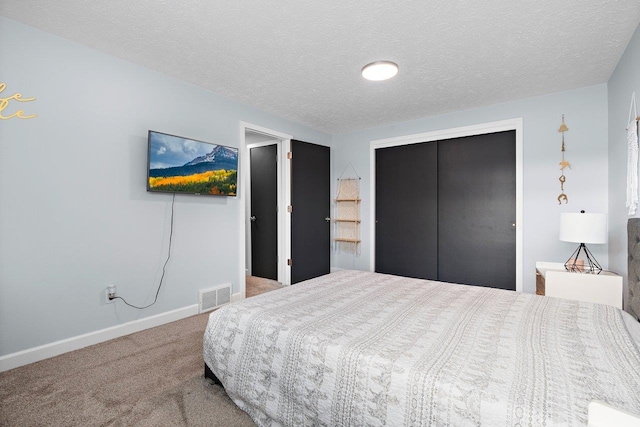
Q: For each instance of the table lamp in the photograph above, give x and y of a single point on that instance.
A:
(583, 228)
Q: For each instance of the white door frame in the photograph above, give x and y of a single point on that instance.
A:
(480, 129)
(284, 199)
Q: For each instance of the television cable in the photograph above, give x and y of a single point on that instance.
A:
(164, 267)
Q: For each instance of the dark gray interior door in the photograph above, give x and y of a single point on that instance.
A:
(446, 209)
(264, 215)
(477, 210)
(407, 211)
(310, 201)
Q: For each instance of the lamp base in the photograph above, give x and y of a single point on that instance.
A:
(592, 266)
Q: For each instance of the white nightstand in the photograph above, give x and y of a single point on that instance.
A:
(553, 280)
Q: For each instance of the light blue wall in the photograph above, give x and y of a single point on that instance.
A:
(74, 212)
(75, 215)
(623, 82)
(586, 143)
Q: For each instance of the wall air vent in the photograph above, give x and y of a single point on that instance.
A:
(209, 299)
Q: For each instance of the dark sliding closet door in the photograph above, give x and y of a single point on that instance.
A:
(407, 210)
(445, 210)
(477, 210)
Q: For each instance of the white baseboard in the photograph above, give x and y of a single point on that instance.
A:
(35, 354)
(236, 297)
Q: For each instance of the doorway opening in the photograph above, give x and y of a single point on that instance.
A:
(302, 209)
(263, 213)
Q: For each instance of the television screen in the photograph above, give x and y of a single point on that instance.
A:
(182, 165)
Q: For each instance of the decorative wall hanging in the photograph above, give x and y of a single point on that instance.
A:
(347, 215)
(563, 164)
(4, 103)
(632, 157)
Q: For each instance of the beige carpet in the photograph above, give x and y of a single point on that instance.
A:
(150, 378)
(258, 285)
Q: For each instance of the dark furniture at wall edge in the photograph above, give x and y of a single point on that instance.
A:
(633, 270)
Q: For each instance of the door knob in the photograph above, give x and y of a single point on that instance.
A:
(252, 218)
(327, 219)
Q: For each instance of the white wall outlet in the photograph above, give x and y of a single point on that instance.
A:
(109, 294)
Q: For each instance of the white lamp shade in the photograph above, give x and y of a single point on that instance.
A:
(583, 227)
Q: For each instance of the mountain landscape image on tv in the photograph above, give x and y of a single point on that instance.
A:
(183, 165)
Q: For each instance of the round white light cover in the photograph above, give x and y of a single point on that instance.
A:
(380, 70)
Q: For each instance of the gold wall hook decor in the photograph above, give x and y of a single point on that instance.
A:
(562, 197)
(563, 127)
(563, 164)
(4, 103)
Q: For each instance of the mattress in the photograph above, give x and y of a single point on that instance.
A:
(366, 349)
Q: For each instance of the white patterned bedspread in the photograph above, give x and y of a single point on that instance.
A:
(363, 349)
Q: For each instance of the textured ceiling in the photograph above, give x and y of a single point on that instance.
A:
(301, 60)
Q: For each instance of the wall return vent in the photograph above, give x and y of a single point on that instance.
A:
(209, 299)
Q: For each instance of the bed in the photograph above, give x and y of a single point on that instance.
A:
(367, 349)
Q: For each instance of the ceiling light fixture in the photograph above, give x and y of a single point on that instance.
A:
(379, 70)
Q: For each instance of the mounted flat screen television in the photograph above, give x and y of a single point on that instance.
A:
(182, 165)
